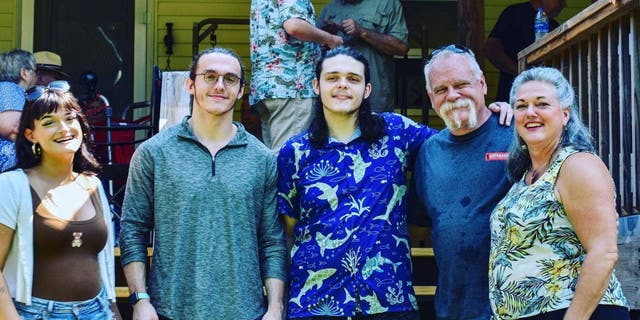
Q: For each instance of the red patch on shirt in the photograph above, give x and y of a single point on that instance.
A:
(496, 156)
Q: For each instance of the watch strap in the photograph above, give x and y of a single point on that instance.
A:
(137, 296)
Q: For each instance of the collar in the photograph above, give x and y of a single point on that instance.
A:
(240, 139)
(356, 134)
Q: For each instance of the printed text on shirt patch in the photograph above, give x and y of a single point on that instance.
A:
(496, 156)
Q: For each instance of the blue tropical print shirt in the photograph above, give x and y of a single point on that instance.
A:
(351, 251)
(11, 98)
(281, 66)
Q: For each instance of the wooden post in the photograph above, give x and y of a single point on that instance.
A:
(628, 267)
(471, 27)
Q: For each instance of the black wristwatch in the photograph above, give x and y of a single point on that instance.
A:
(137, 296)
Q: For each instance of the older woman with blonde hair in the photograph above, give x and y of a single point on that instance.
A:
(56, 234)
(554, 235)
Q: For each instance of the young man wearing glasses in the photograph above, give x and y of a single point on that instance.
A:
(17, 74)
(460, 176)
(207, 190)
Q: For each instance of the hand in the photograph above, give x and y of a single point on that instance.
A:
(330, 26)
(351, 28)
(506, 112)
(333, 42)
(144, 310)
(116, 311)
(272, 315)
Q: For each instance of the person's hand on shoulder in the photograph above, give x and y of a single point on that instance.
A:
(506, 112)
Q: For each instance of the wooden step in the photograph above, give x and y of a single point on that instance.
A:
(123, 292)
(428, 291)
(116, 251)
(415, 252)
(422, 252)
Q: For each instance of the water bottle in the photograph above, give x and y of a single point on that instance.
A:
(541, 24)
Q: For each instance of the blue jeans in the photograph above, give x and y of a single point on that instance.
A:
(97, 308)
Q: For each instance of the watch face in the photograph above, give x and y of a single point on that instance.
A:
(137, 296)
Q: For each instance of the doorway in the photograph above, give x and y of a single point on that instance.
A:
(95, 36)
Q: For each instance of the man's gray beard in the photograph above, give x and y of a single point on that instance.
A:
(454, 122)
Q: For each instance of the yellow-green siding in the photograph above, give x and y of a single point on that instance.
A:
(8, 24)
(183, 14)
(493, 8)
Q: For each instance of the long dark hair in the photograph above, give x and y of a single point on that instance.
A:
(371, 125)
(49, 102)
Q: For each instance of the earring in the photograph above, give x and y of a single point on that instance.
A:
(37, 151)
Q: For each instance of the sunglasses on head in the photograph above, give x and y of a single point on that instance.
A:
(36, 92)
(456, 48)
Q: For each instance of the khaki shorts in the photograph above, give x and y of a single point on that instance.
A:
(281, 119)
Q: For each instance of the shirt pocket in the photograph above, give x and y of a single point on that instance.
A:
(375, 20)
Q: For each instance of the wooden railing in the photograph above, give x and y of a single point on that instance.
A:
(598, 51)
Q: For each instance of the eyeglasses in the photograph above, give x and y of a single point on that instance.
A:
(36, 92)
(456, 48)
(211, 77)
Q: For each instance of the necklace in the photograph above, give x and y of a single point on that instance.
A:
(536, 173)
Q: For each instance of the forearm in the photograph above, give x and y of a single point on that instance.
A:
(275, 295)
(593, 281)
(304, 31)
(499, 58)
(9, 123)
(386, 43)
(7, 308)
(135, 274)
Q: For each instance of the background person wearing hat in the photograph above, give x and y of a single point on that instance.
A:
(17, 74)
(49, 67)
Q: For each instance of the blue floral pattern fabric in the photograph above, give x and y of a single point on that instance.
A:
(11, 98)
(281, 66)
(536, 256)
(351, 251)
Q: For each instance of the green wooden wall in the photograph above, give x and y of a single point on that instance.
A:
(183, 13)
(8, 24)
